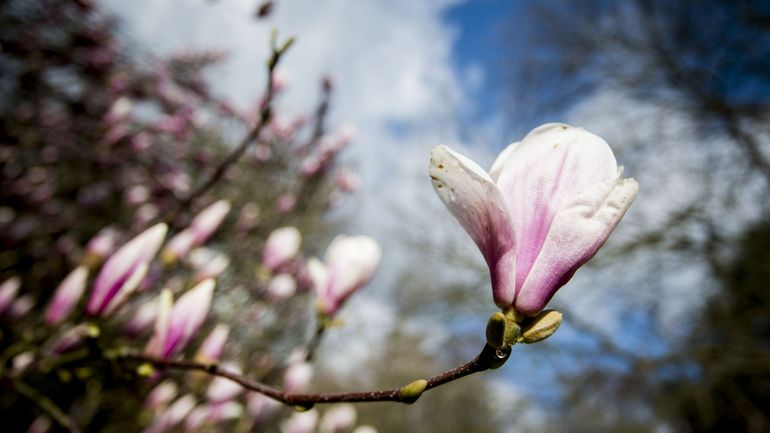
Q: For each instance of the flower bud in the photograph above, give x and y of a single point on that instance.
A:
(496, 330)
(8, 291)
(281, 287)
(172, 416)
(282, 245)
(161, 395)
(301, 422)
(297, 377)
(338, 419)
(542, 326)
(223, 390)
(259, 407)
(21, 307)
(100, 246)
(410, 393)
(208, 220)
(176, 326)
(365, 429)
(66, 296)
(350, 262)
(41, 424)
(124, 271)
(212, 346)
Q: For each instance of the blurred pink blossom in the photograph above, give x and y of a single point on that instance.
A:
(220, 389)
(285, 203)
(281, 287)
(161, 395)
(301, 422)
(208, 221)
(260, 407)
(176, 325)
(8, 291)
(349, 263)
(339, 418)
(281, 246)
(297, 377)
(212, 347)
(66, 297)
(346, 180)
(104, 243)
(124, 271)
(172, 416)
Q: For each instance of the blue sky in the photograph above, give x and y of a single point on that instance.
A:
(481, 41)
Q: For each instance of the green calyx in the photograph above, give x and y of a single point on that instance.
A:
(541, 326)
(503, 330)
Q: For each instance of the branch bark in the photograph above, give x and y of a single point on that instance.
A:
(489, 358)
(265, 115)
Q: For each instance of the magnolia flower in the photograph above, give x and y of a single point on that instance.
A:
(102, 244)
(8, 291)
(208, 220)
(175, 413)
(69, 340)
(212, 347)
(176, 326)
(41, 424)
(66, 296)
(350, 263)
(338, 419)
(20, 307)
(221, 389)
(281, 287)
(141, 319)
(543, 210)
(301, 422)
(281, 246)
(365, 429)
(285, 203)
(178, 246)
(248, 217)
(297, 377)
(161, 395)
(259, 407)
(124, 271)
(119, 110)
(208, 415)
(200, 230)
(207, 263)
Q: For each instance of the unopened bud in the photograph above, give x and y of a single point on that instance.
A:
(496, 330)
(410, 393)
(542, 326)
(502, 330)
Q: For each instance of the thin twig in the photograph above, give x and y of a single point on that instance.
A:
(312, 346)
(488, 358)
(47, 405)
(265, 115)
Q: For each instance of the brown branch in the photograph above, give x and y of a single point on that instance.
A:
(489, 358)
(265, 115)
(47, 405)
